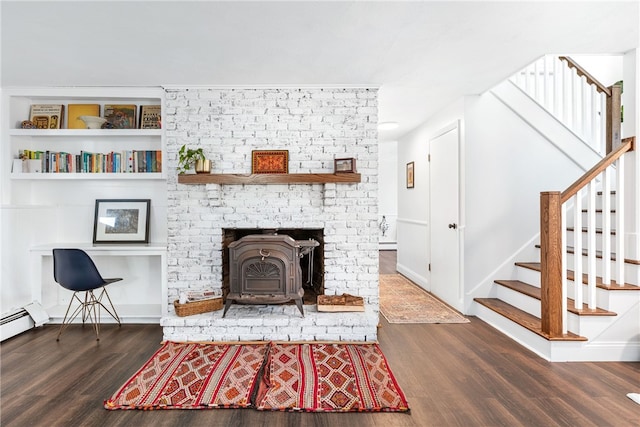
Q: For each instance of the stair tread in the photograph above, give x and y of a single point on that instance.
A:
(535, 292)
(585, 252)
(570, 275)
(524, 319)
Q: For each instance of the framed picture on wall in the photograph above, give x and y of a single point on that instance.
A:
(345, 165)
(410, 174)
(121, 221)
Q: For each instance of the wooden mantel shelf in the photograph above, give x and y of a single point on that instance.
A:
(285, 178)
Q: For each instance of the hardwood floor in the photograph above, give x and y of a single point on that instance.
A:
(452, 374)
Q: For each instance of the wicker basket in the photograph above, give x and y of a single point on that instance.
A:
(197, 307)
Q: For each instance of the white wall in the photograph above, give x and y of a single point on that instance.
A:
(413, 203)
(507, 165)
(388, 192)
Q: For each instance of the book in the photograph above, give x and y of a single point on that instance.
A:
(76, 110)
(150, 116)
(47, 116)
(121, 116)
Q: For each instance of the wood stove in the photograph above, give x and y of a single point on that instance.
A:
(265, 269)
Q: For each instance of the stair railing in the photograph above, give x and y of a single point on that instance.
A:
(554, 206)
(575, 98)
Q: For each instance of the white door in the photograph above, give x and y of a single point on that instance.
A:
(444, 213)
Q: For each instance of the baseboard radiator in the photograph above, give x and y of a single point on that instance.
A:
(17, 321)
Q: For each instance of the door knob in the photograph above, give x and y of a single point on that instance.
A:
(454, 226)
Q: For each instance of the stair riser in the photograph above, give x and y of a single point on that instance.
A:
(630, 270)
(532, 277)
(523, 302)
(587, 326)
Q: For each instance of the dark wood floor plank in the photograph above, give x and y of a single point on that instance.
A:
(452, 374)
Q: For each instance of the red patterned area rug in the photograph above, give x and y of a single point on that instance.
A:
(193, 376)
(274, 377)
(329, 378)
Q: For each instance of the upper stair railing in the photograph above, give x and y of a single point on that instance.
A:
(554, 207)
(575, 98)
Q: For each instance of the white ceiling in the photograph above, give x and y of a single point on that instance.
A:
(422, 55)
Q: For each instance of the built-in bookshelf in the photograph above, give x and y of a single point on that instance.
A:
(53, 207)
(72, 153)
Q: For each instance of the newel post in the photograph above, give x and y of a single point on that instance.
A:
(613, 118)
(551, 263)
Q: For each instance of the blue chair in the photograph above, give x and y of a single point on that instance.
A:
(73, 269)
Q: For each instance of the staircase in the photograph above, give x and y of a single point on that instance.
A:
(580, 299)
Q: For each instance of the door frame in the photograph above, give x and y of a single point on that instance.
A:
(457, 124)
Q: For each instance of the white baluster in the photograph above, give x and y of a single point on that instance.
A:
(591, 247)
(577, 250)
(563, 265)
(566, 96)
(584, 105)
(606, 227)
(620, 221)
(536, 88)
(548, 83)
(575, 102)
(527, 80)
(603, 122)
(557, 88)
(594, 135)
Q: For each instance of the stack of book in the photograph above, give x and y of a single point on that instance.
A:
(127, 161)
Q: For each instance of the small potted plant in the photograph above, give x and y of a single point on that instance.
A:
(190, 159)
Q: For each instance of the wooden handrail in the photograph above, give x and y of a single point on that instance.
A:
(628, 144)
(582, 72)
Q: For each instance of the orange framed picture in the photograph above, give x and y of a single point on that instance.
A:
(269, 161)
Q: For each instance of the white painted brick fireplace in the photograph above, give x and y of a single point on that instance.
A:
(316, 126)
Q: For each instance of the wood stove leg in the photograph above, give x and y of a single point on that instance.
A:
(227, 304)
(299, 305)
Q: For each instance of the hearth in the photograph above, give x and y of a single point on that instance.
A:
(265, 269)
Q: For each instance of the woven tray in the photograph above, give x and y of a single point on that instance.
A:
(197, 307)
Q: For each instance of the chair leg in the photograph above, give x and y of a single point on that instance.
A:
(68, 319)
(90, 309)
(113, 311)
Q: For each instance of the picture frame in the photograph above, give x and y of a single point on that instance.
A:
(347, 165)
(269, 161)
(410, 174)
(121, 221)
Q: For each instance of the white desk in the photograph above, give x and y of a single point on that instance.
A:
(38, 254)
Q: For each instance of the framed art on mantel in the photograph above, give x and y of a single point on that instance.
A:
(269, 161)
(121, 221)
(410, 174)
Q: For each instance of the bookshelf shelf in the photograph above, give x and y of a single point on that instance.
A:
(85, 132)
(285, 178)
(86, 176)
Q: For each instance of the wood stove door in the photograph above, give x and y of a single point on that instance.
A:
(263, 277)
